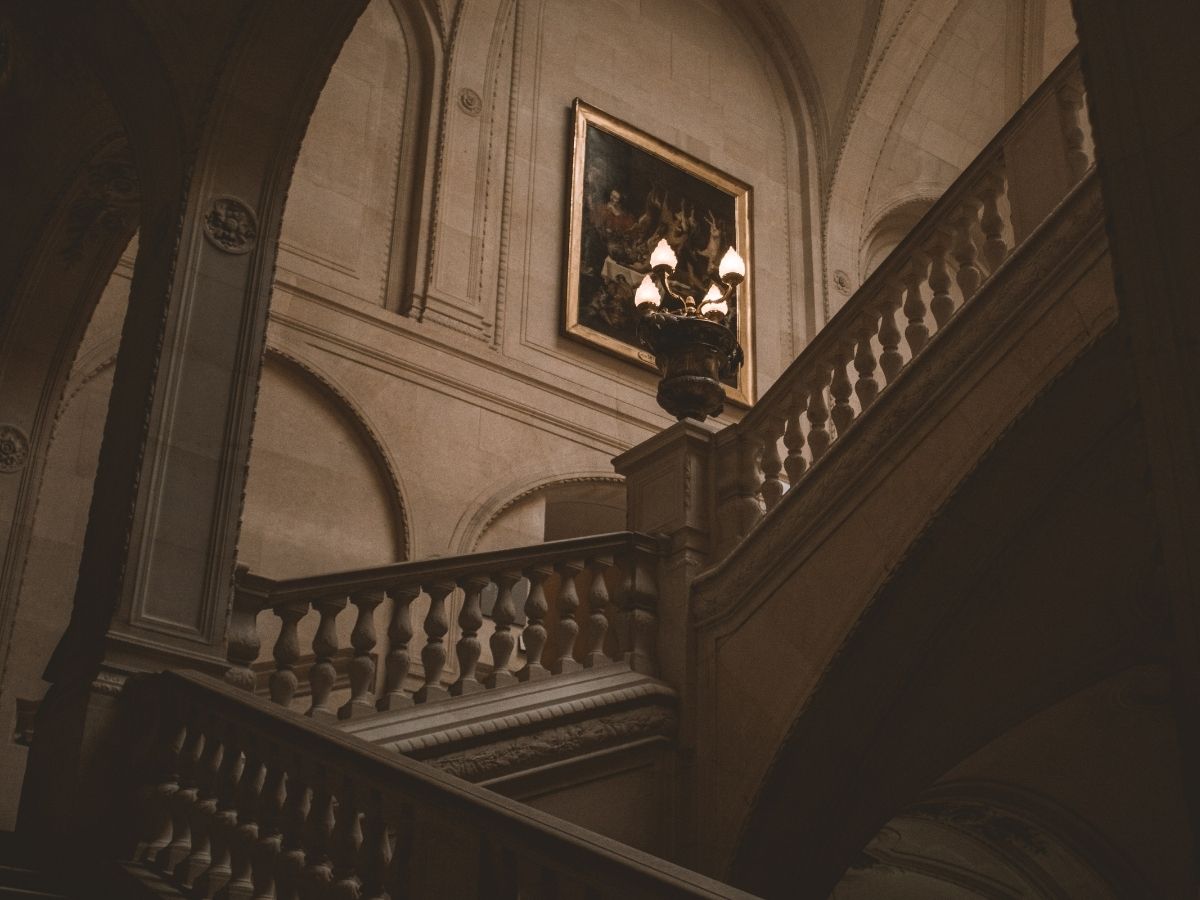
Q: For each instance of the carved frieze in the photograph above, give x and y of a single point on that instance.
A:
(557, 743)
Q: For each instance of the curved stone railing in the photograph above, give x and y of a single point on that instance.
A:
(1010, 188)
(570, 621)
(240, 798)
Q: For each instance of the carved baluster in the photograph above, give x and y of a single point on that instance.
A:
(638, 611)
(347, 839)
(399, 634)
(890, 359)
(270, 832)
(245, 835)
(172, 734)
(818, 411)
(318, 833)
(916, 333)
(287, 651)
(241, 638)
(535, 632)
(502, 642)
(223, 821)
(400, 827)
(942, 304)
(568, 627)
(793, 440)
(470, 620)
(597, 628)
(840, 388)
(289, 865)
(375, 852)
(183, 803)
(433, 654)
(362, 667)
(322, 676)
(992, 222)
(965, 251)
(772, 465)
(866, 387)
(1070, 106)
(747, 507)
(203, 811)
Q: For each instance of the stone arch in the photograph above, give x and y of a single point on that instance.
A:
(54, 287)
(970, 837)
(999, 610)
(355, 200)
(804, 123)
(870, 119)
(491, 508)
(358, 420)
(241, 142)
(927, 108)
(889, 228)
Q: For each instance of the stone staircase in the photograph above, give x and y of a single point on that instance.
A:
(618, 680)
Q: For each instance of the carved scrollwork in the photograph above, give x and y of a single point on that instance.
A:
(231, 225)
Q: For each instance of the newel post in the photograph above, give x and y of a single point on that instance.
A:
(669, 489)
(241, 636)
(1043, 155)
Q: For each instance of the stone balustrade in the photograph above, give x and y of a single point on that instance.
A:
(999, 200)
(239, 798)
(571, 620)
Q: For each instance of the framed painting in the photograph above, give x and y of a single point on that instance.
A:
(628, 190)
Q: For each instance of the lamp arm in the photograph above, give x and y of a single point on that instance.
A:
(659, 276)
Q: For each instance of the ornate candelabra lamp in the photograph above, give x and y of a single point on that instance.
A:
(694, 344)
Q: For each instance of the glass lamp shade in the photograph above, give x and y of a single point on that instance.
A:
(663, 255)
(647, 292)
(732, 264)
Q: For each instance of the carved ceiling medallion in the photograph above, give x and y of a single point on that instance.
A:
(231, 226)
(14, 448)
(470, 102)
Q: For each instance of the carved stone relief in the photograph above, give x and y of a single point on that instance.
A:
(557, 743)
(14, 448)
(230, 225)
(107, 205)
(470, 102)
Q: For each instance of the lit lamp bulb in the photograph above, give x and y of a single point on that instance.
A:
(732, 268)
(713, 305)
(663, 255)
(647, 293)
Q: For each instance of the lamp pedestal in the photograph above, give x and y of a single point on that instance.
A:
(693, 354)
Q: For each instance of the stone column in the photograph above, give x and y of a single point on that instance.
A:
(1143, 92)
(156, 575)
(669, 482)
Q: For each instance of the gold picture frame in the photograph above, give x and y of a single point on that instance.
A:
(628, 189)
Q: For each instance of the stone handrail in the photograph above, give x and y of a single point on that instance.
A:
(242, 798)
(580, 568)
(1010, 188)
